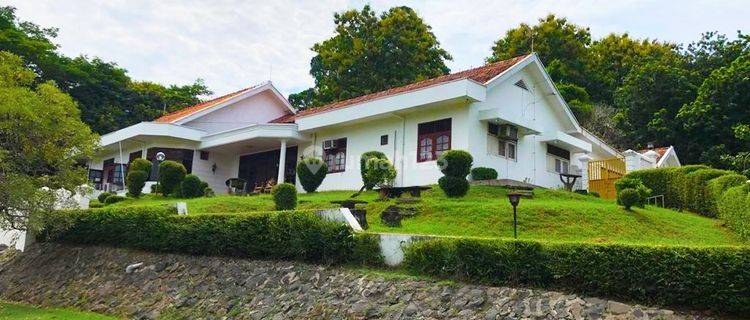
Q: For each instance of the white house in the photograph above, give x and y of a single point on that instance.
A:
(507, 114)
(651, 157)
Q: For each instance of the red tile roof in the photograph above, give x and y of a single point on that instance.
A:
(184, 112)
(660, 150)
(481, 74)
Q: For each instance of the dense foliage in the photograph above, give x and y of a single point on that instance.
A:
(171, 174)
(734, 208)
(311, 172)
(103, 196)
(714, 278)
(483, 173)
(42, 144)
(637, 194)
(140, 164)
(135, 181)
(370, 53)
(107, 97)
(380, 172)
(287, 235)
(114, 199)
(455, 165)
(284, 196)
(363, 167)
(192, 187)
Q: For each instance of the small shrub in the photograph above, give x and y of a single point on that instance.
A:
(285, 196)
(140, 164)
(595, 194)
(581, 191)
(454, 187)
(103, 196)
(482, 173)
(311, 172)
(208, 192)
(95, 204)
(192, 186)
(734, 208)
(171, 174)
(629, 197)
(380, 172)
(114, 199)
(135, 182)
(635, 184)
(455, 163)
(364, 168)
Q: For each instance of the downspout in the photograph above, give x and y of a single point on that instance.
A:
(403, 146)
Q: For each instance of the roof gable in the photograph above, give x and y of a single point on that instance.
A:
(196, 111)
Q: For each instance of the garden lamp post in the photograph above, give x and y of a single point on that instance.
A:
(160, 156)
(514, 199)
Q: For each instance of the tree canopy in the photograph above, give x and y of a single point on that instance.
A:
(42, 143)
(371, 53)
(107, 97)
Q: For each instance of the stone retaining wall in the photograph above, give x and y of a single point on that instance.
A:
(186, 287)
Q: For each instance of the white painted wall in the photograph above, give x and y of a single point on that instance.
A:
(365, 136)
(260, 108)
(519, 106)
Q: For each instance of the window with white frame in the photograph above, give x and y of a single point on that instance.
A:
(507, 139)
(561, 166)
(558, 159)
(507, 149)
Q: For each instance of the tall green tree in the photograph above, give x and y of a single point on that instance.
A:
(42, 143)
(560, 44)
(107, 97)
(649, 99)
(714, 51)
(371, 53)
(720, 115)
(611, 58)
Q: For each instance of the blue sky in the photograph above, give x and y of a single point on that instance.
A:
(234, 44)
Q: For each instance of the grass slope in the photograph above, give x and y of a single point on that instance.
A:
(17, 311)
(551, 215)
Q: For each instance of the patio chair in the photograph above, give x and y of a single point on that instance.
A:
(258, 189)
(236, 186)
(269, 185)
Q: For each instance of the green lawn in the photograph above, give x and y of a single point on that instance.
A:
(17, 311)
(485, 212)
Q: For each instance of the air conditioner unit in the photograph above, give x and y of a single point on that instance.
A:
(493, 129)
(508, 132)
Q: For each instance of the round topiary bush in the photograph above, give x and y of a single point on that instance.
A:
(114, 199)
(454, 186)
(364, 167)
(311, 172)
(135, 181)
(482, 173)
(628, 198)
(635, 184)
(140, 164)
(192, 186)
(285, 196)
(455, 163)
(380, 172)
(171, 174)
(103, 196)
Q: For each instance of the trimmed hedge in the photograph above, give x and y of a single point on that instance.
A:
(734, 208)
(311, 171)
(717, 186)
(629, 197)
(114, 199)
(284, 196)
(695, 192)
(135, 181)
(285, 235)
(103, 196)
(453, 187)
(192, 186)
(714, 278)
(635, 199)
(364, 168)
(455, 163)
(140, 164)
(483, 173)
(171, 174)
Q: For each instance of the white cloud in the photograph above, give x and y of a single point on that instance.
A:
(234, 44)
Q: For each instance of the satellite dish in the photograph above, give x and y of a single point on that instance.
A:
(161, 156)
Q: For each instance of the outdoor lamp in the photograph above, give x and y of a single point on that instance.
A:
(514, 199)
(160, 156)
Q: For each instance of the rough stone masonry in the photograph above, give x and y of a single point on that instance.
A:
(171, 286)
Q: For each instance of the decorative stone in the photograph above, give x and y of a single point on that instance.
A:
(617, 307)
(131, 268)
(391, 216)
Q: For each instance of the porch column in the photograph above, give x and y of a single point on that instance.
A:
(282, 162)
(584, 160)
